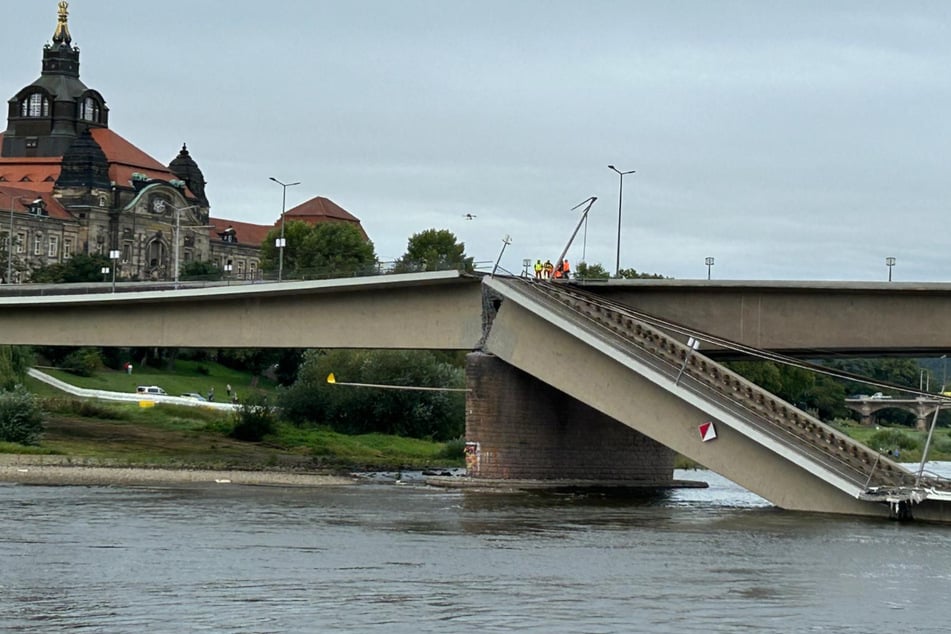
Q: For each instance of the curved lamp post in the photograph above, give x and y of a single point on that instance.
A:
(10, 246)
(280, 242)
(620, 196)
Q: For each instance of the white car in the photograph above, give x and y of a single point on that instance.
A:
(150, 389)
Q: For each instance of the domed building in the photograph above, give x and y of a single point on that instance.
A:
(71, 185)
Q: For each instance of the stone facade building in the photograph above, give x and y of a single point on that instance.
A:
(70, 185)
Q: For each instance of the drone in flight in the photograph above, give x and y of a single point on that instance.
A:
(469, 216)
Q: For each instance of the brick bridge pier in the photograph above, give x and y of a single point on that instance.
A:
(528, 430)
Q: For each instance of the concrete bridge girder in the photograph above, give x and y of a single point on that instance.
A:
(436, 311)
(562, 360)
(800, 317)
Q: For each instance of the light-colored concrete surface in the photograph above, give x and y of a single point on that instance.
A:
(799, 317)
(433, 311)
(127, 397)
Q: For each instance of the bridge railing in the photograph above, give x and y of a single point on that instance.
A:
(753, 405)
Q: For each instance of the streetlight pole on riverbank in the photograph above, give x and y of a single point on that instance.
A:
(280, 243)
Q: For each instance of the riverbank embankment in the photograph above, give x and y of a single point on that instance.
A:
(30, 470)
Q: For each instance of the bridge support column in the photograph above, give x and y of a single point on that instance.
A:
(518, 427)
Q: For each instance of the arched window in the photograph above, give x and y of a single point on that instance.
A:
(35, 105)
(90, 110)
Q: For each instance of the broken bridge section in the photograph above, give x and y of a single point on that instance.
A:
(578, 347)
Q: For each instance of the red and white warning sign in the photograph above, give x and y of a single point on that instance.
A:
(707, 431)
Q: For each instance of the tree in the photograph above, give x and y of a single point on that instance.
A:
(585, 271)
(336, 248)
(14, 362)
(77, 269)
(199, 270)
(632, 274)
(355, 410)
(326, 249)
(433, 250)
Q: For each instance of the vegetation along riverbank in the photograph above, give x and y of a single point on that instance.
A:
(289, 420)
(258, 435)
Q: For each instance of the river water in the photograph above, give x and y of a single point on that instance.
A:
(392, 558)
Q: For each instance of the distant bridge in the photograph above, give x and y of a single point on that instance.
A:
(922, 407)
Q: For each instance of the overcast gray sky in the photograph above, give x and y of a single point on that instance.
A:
(789, 140)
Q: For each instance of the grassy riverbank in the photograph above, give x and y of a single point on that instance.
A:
(94, 433)
(172, 436)
(201, 377)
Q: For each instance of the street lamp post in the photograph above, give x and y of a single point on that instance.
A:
(620, 196)
(114, 256)
(944, 372)
(10, 246)
(507, 240)
(709, 262)
(889, 262)
(280, 243)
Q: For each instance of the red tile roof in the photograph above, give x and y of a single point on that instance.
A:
(20, 197)
(320, 209)
(245, 232)
(124, 160)
(33, 174)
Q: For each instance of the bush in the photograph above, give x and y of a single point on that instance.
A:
(83, 407)
(14, 363)
(83, 362)
(889, 439)
(435, 415)
(253, 420)
(21, 419)
(942, 445)
(455, 449)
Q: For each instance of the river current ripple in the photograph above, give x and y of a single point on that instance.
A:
(389, 558)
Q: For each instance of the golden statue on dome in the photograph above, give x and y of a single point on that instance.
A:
(62, 28)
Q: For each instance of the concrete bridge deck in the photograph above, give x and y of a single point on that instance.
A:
(659, 386)
(423, 311)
